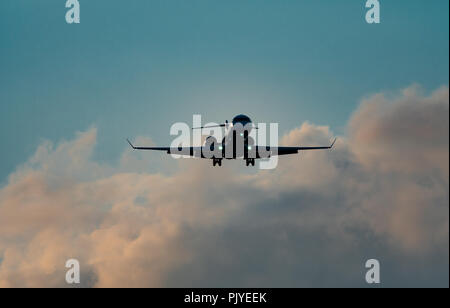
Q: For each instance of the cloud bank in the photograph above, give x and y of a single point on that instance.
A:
(382, 193)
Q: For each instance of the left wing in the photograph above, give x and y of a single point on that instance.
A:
(190, 151)
(261, 151)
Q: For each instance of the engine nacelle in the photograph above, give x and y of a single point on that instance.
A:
(211, 143)
(212, 149)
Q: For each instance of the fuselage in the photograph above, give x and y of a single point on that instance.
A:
(240, 127)
(237, 142)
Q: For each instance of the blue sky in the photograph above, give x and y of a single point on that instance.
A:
(136, 67)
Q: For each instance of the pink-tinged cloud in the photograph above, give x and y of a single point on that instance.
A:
(314, 221)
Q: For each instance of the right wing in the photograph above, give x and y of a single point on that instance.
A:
(261, 152)
(291, 150)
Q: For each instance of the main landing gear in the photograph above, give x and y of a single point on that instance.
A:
(248, 161)
(217, 161)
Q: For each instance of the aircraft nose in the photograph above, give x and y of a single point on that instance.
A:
(241, 119)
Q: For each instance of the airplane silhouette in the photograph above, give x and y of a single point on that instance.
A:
(237, 143)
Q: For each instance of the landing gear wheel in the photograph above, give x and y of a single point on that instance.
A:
(250, 161)
(217, 161)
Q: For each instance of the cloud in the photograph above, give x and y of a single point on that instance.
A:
(406, 134)
(314, 221)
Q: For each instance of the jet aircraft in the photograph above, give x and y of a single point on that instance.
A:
(237, 144)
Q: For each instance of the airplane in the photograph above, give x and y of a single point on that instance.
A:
(237, 134)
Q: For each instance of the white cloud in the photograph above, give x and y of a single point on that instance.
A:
(314, 221)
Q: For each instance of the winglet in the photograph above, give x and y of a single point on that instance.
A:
(332, 145)
(129, 142)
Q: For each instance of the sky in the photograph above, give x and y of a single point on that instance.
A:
(71, 94)
(136, 68)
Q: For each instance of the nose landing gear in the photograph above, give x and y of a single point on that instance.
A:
(217, 161)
